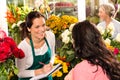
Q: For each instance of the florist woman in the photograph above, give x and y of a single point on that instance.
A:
(38, 46)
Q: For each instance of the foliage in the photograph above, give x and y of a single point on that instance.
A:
(7, 69)
(15, 15)
(93, 19)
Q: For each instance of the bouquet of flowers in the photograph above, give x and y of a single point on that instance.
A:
(8, 51)
(112, 43)
(15, 15)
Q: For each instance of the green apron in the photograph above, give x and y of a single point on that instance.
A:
(40, 58)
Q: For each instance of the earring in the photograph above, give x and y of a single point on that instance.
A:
(28, 29)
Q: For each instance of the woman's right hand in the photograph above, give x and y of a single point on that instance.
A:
(46, 68)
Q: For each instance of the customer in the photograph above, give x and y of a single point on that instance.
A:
(38, 46)
(106, 12)
(98, 63)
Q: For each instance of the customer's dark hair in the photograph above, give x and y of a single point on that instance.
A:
(89, 45)
(28, 23)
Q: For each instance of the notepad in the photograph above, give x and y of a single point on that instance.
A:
(55, 68)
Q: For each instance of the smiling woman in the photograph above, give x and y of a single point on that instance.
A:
(38, 46)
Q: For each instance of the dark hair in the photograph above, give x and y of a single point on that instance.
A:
(89, 45)
(28, 23)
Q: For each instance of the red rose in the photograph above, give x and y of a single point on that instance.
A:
(8, 48)
(18, 53)
(116, 51)
(5, 51)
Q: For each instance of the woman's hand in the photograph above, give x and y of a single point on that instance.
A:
(46, 68)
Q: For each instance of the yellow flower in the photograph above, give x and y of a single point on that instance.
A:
(110, 47)
(54, 74)
(60, 23)
(59, 74)
(65, 68)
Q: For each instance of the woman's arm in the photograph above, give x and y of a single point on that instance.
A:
(69, 76)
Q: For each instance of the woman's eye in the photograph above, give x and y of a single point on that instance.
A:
(43, 25)
(37, 26)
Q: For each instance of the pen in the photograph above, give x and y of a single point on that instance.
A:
(42, 63)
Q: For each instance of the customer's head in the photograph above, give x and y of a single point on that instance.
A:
(106, 10)
(86, 39)
(34, 21)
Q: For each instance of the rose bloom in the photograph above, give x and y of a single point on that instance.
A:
(8, 48)
(116, 51)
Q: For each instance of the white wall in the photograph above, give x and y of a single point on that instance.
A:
(102, 1)
(81, 10)
(3, 20)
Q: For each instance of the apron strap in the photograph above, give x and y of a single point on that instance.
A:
(31, 43)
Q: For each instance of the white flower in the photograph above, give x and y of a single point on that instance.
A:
(101, 29)
(66, 39)
(66, 36)
(19, 22)
(65, 33)
(117, 38)
(107, 41)
(110, 28)
(14, 25)
(71, 27)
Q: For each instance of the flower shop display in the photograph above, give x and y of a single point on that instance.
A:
(112, 43)
(59, 23)
(65, 55)
(8, 52)
(62, 27)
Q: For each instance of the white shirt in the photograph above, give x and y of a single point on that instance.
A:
(27, 61)
(116, 26)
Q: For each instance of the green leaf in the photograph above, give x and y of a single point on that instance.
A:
(70, 58)
(3, 77)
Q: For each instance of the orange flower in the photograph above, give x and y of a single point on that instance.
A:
(10, 18)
